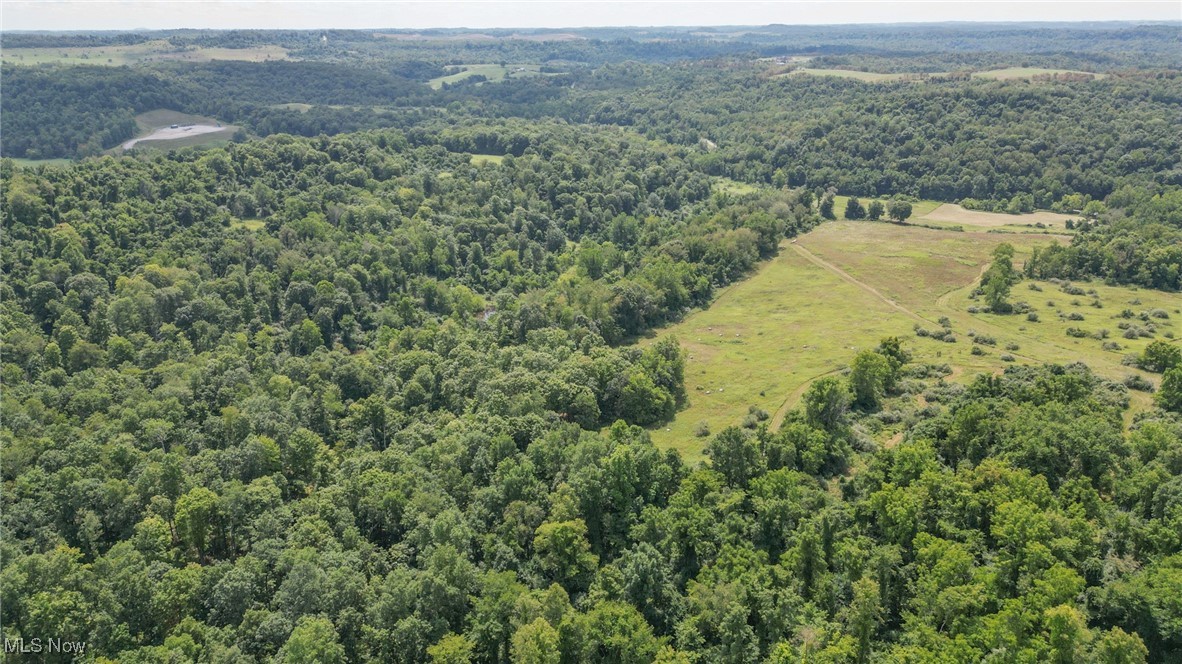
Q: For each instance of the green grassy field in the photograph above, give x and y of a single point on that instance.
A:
(846, 285)
(31, 163)
(918, 209)
(481, 159)
(947, 216)
(248, 224)
(1027, 72)
(494, 72)
(159, 50)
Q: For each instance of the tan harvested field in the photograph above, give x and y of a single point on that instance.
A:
(953, 213)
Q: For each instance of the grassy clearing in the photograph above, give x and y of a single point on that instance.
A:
(252, 225)
(159, 50)
(846, 285)
(495, 73)
(481, 159)
(765, 337)
(1010, 73)
(918, 208)
(734, 187)
(33, 163)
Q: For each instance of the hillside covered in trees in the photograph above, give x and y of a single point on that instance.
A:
(372, 383)
(368, 428)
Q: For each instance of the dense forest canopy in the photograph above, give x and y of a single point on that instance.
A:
(370, 382)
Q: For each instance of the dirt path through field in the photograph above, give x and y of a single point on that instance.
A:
(941, 302)
(793, 397)
(847, 277)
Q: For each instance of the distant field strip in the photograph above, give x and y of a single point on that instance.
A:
(1008, 73)
(1029, 72)
(493, 72)
(159, 50)
(864, 76)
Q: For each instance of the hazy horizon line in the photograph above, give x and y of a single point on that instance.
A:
(1142, 21)
(414, 15)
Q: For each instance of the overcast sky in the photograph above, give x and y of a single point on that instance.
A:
(109, 15)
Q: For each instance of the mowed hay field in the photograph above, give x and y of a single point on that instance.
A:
(846, 285)
(955, 214)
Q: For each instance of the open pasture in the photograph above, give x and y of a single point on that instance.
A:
(846, 285)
